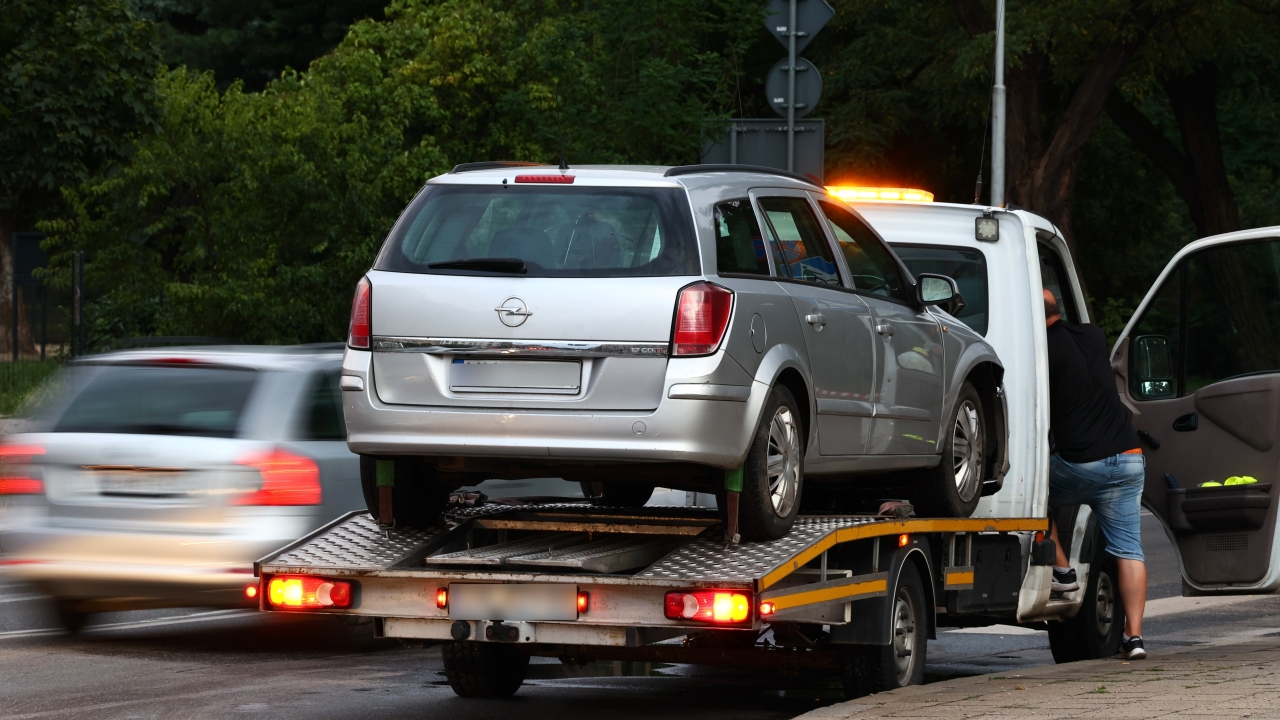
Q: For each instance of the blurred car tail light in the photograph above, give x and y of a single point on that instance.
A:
(702, 315)
(361, 312)
(287, 479)
(308, 592)
(16, 472)
(721, 607)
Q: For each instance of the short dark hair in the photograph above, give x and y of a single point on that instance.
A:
(1051, 306)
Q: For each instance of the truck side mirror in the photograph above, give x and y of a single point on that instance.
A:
(1153, 367)
(939, 290)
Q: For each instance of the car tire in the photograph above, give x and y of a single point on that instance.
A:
(69, 617)
(869, 669)
(773, 477)
(1095, 632)
(954, 487)
(417, 499)
(617, 494)
(484, 670)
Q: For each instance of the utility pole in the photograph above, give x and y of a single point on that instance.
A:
(997, 114)
(791, 90)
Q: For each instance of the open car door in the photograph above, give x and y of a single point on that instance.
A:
(1199, 364)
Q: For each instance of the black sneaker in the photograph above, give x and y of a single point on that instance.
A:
(1131, 649)
(1065, 581)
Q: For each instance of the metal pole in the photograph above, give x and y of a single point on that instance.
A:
(998, 114)
(13, 304)
(44, 318)
(77, 281)
(791, 90)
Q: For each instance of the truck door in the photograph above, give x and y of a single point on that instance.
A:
(1200, 365)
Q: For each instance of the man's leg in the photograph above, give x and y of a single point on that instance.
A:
(1060, 559)
(1133, 594)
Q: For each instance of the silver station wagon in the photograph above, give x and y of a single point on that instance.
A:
(726, 329)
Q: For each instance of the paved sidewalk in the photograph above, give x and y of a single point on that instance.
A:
(1226, 681)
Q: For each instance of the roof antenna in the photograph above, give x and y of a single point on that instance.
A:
(563, 165)
(977, 188)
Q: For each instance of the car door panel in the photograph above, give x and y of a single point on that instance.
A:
(909, 380)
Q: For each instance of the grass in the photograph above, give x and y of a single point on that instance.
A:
(1099, 689)
(19, 379)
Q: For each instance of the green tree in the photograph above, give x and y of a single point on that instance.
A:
(76, 88)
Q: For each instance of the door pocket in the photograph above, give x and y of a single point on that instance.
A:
(1219, 509)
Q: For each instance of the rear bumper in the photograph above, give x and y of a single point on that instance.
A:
(711, 428)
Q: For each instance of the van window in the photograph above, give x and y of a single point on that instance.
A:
(874, 270)
(1232, 302)
(1161, 319)
(739, 244)
(556, 231)
(799, 242)
(966, 266)
(1053, 275)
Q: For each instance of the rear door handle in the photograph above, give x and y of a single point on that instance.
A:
(816, 319)
(885, 329)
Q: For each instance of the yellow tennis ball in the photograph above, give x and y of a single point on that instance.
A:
(1211, 483)
(1234, 480)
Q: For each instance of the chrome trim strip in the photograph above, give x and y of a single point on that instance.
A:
(525, 348)
(732, 393)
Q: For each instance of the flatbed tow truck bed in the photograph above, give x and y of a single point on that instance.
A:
(588, 583)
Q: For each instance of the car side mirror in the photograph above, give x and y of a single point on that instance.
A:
(939, 290)
(1152, 367)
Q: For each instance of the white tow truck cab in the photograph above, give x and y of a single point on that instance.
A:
(855, 595)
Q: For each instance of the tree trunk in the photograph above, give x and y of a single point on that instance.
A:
(1194, 99)
(26, 343)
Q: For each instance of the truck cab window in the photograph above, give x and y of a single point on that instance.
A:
(739, 244)
(967, 267)
(1053, 275)
(1232, 301)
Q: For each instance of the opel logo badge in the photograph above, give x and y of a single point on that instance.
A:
(513, 312)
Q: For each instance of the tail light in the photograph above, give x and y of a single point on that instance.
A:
(308, 592)
(584, 601)
(361, 311)
(16, 476)
(287, 479)
(721, 607)
(442, 598)
(702, 316)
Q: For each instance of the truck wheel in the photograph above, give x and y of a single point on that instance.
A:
(774, 473)
(1095, 631)
(418, 498)
(869, 669)
(484, 670)
(954, 487)
(617, 494)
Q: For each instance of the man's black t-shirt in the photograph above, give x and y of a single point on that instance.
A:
(1086, 416)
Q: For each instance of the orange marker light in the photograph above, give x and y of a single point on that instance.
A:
(767, 608)
(251, 591)
(850, 193)
(442, 598)
(1039, 536)
(903, 540)
(584, 601)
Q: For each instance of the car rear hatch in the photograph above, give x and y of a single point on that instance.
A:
(531, 295)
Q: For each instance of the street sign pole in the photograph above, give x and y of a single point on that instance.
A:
(791, 89)
(998, 114)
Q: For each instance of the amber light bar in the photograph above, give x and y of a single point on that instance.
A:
(849, 193)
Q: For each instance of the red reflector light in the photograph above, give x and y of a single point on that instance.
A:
(767, 608)
(361, 312)
(308, 592)
(15, 479)
(442, 598)
(287, 479)
(723, 607)
(702, 316)
(903, 540)
(251, 591)
(558, 179)
(584, 601)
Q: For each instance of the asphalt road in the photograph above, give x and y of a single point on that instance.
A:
(200, 663)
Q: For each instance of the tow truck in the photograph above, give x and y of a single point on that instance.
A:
(854, 594)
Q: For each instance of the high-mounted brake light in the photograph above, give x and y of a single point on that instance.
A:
(361, 313)
(722, 607)
(16, 475)
(849, 193)
(287, 479)
(308, 592)
(702, 316)
(555, 179)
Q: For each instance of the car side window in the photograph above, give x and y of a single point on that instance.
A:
(739, 244)
(800, 247)
(323, 410)
(872, 265)
(1232, 300)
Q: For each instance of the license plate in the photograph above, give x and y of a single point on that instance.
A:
(139, 483)
(544, 377)
(513, 602)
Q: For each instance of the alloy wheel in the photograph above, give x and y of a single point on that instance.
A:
(966, 450)
(1104, 614)
(904, 635)
(783, 461)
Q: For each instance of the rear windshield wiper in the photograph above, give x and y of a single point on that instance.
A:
(502, 265)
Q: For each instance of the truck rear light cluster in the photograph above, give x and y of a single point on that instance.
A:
(361, 316)
(308, 593)
(16, 476)
(721, 607)
(287, 479)
(702, 316)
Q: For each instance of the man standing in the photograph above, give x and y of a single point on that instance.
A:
(1096, 460)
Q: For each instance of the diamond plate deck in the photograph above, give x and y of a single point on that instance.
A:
(357, 544)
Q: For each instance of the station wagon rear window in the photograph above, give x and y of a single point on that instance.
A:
(544, 232)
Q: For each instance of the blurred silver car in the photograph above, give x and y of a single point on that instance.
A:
(155, 478)
(705, 328)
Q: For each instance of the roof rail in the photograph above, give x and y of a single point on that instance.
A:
(493, 165)
(712, 168)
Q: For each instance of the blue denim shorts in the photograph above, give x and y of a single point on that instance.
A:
(1112, 488)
